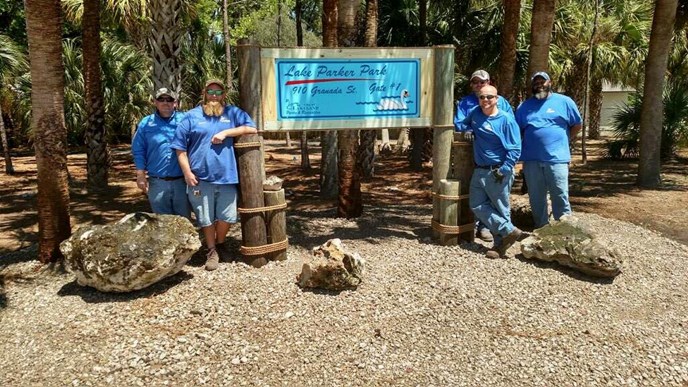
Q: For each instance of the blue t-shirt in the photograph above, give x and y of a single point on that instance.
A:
(497, 139)
(151, 145)
(470, 102)
(214, 163)
(546, 124)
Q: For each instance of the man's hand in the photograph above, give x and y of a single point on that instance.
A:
(191, 180)
(218, 138)
(468, 135)
(142, 182)
(498, 175)
(250, 130)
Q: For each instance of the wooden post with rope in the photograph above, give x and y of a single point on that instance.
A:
(276, 220)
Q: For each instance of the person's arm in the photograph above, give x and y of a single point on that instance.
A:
(459, 118)
(189, 177)
(138, 152)
(511, 140)
(573, 132)
(233, 132)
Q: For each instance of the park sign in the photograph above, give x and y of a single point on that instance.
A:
(353, 88)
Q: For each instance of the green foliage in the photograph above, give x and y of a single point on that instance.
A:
(626, 124)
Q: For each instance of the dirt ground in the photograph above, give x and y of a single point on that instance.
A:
(601, 186)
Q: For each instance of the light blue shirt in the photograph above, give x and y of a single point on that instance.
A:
(546, 125)
(214, 163)
(151, 145)
(497, 139)
(469, 103)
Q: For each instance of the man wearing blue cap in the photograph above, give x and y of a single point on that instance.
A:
(158, 173)
(549, 122)
(466, 105)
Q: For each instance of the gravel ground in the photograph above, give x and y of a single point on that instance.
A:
(426, 315)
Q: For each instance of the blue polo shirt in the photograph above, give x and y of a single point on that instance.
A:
(151, 145)
(214, 163)
(497, 139)
(469, 103)
(546, 124)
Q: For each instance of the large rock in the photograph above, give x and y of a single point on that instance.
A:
(131, 254)
(332, 267)
(571, 243)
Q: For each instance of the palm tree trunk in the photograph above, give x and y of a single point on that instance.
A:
(166, 44)
(366, 150)
(595, 108)
(540, 36)
(44, 32)
(228, 49)
(97, 153)
(588, 69)
(652, 111)
(507, 56)
(328, 164)
(350, 203)
(9, 169)
(305, 158)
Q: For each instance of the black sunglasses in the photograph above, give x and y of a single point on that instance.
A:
(165, 99)
(490, 97)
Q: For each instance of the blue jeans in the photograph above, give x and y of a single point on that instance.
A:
(489, 201)
(543, 178)
(211, 202)
(168, 197)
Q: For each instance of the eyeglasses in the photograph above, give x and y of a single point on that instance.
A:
(489, 97)
(478, 81)
(215, 92)
(165, 99)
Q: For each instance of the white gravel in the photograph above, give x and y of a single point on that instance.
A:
(426, 315)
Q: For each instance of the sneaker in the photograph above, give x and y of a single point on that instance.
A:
(485, 235)
(212, 260)
(492, 253)
(509, 241)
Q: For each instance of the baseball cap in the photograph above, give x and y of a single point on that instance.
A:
(165, 91)
(215, 81)
(542, 74)
(481, 74)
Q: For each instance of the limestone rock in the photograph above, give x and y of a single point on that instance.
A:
(570, 243)
(332, 267)
(131, 254)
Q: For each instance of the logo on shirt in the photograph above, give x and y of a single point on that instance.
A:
(225, 119)
(550, 110)
(151, 123)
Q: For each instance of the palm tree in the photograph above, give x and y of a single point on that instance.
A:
(350, 204)
(541, 24)
(366, 150)
(507, 56)
(651, 113)
(44, 29)
(97, 153)
(165, 42)
(12, 63)
(328, 163)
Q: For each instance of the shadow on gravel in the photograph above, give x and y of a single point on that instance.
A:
(324, 292)
(92, 295)
(565, 270)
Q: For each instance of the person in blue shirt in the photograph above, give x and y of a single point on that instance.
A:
(465, 106)
(549, 123)
(496, 148)
(204, 143)
(157, 170)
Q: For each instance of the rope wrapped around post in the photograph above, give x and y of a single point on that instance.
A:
(268, 248)
(452, 229)
(254, 144)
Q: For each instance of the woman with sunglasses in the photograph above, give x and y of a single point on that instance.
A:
(157, 169)
(204, 143)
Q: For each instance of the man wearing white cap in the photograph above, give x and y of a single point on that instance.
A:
(205, 148)
(549, 123)
(157, 170)
(466, 105)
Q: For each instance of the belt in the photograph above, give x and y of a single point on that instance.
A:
(490, 167)
(167, 178)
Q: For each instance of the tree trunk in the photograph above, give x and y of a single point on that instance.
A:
(166, 44)
(422, 22)
(9, 169)
(402, 142)
(417, 142)
(589, 62)
(350, 203)
(507, 56)
(305, 158)
(540, 36)
(228, 49)
(651, 113)
(595, 108)
(44, 32)
(97, 153)
(328, 164)
(366, 150)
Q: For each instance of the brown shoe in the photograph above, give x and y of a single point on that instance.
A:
(485, 235)
(492, 253)
(509, 241)
(212, 260)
